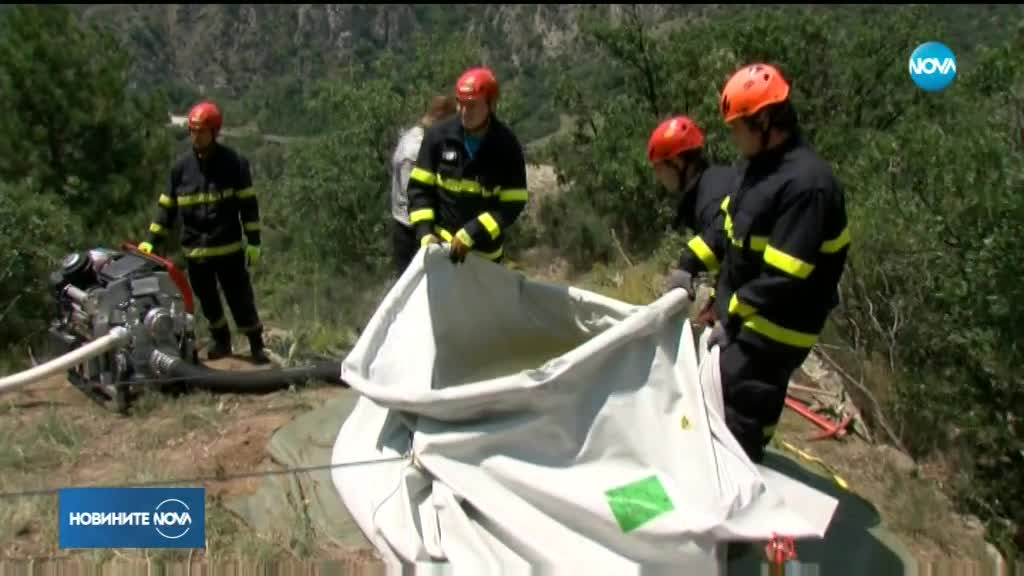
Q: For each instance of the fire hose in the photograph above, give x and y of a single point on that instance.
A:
(115, 338)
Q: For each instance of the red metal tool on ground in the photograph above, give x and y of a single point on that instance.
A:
(831, 429)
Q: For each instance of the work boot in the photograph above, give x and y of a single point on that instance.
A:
(221, 346)
(259, 353)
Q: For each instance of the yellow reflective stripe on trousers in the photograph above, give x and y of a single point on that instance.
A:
(513, 195)
(787, 263)
(703, 251)
(247, 193)
(773, 331)
(490, 224)
(253, 226)
(157, 229)
(837, 243)
(423, 177)
(421, 215)
(204, 198)
(741, 309)
(166, 201)
(208, 251)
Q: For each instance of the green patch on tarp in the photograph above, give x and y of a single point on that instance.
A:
(638, 502)
(304, 508)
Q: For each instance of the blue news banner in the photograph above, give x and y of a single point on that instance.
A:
(132, 518)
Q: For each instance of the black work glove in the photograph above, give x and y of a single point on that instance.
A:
(680, 279)
(718, 337)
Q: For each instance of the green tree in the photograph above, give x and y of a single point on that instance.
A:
(72, 128)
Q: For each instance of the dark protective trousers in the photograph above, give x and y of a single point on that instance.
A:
(404, 244)
(230, 271)
(754, 385)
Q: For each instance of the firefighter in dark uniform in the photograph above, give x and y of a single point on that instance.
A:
(468, 186)
(675, 149)
(211, 188)
(787, 240)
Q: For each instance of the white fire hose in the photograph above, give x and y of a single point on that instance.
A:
(116, 337)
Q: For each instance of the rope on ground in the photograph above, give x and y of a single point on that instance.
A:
(207, 479)
(814, 459)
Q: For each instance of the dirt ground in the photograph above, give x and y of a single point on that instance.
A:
(53, 436)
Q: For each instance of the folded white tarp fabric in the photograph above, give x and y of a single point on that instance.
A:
(548, 428)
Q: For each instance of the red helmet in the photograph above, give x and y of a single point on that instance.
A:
(205, 114)
(477, 83)
(673, 137)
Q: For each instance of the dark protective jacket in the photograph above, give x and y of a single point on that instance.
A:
(700, 210)
(787, 241)
(215, 200)
(476, 197)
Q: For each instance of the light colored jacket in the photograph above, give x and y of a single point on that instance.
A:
(402, 162)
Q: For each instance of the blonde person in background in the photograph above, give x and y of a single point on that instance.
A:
(402, 162)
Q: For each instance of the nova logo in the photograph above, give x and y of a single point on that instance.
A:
(932, 66)
(173, 515)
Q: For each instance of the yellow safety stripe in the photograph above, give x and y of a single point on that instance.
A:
(422, 176)
(445, 235)
(253, 226)
(741, 309)
(787, 263)
(157, 229)
(464, 237)
(247, 193)
(219, 323)
(514, 195)
(490, 224)
(703, 251)
(166, 201)
(204, 198)
(462, 186)
(208, 251)
(773, 331)
(421, 215)
(838, 243)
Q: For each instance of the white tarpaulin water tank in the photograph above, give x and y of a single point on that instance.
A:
(548, 429)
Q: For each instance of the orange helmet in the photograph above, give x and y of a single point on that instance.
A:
(673, 137)
(205, 114)
(477, 83)
(752, 88)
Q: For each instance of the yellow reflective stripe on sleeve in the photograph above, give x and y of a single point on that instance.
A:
(703, 251)
(208, 251)
(740, 309)
(464, 237)
(493, 256)
(423, 177)
(490, 224)
(758, 243)
(157, 229)
(421, 215)
(444, 234)
(787, 263)
(838, 243)
(204, 198)
(247, 193)
(513, 195)
(773, 331)
(166, 201)
(253, 226)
